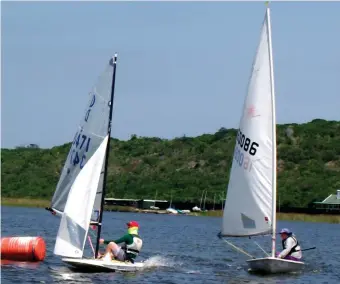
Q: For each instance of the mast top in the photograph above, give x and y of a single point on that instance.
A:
(113, 60)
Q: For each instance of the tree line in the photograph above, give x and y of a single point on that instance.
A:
(184, 167)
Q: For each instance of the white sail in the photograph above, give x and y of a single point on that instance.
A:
(248, 207)
(98, 199)
(75, 220)
(92, 130)
(79, 191)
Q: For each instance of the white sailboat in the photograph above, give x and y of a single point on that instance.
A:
(250, 207)
(79, 196)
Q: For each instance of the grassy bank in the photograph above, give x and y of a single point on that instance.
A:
(41, 203)
(334, 219)
(26, 202)
(326, 218)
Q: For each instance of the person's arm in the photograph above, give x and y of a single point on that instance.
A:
(290, 243)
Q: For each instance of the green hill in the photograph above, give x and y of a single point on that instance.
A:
(308, 166)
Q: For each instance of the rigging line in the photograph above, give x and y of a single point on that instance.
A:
(91, 233)
(90, 241)
(238, 249)
(261, 248)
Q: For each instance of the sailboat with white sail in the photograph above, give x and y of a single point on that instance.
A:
(80, 192)
(250, 206)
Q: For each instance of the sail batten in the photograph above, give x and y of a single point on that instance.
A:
(248, 206)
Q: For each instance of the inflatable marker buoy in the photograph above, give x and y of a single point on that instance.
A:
(23, 248)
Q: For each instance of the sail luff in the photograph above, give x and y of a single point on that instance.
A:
(114, 62)
(274, 162)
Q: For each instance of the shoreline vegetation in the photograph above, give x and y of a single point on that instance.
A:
(185, 169)
(41, 203)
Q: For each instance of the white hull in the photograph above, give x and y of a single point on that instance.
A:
(274, 265)
(99, 265)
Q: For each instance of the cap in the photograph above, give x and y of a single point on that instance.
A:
(132, 224)
(285, 231)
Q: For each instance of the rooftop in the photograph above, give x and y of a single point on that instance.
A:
(331, 199)
(120, 199)
(136, 200)
(151, 200)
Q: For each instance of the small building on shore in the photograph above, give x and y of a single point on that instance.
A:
(138, 203)
(331, 204)
(122, 202)
(153, 204)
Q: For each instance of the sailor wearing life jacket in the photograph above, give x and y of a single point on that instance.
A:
(132, 245)
(291, 248)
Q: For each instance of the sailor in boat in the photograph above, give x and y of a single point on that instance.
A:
(132, 245)
(291, 248)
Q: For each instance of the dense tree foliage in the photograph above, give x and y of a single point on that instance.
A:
(308, 166)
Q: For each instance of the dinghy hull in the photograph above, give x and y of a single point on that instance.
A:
(274, 265)
(99, 265)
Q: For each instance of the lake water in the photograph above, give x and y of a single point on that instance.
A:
(178, 249)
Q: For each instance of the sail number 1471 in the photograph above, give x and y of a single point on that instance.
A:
(81, 141)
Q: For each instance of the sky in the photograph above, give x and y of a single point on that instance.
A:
(183, 67)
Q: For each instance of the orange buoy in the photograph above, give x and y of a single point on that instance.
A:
(23, 248)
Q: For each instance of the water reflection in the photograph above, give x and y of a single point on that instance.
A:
(21, 264)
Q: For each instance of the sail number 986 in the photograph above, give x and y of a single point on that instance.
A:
(246, 144)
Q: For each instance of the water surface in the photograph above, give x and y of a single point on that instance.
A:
(177, 249)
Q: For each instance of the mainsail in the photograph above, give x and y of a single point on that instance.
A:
(78, 196)
(252, 185)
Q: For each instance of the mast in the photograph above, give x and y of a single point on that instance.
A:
(114, 63)
(202, 199)
(214, 202)
(205, 198)
(272, 87)
(170, 198)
